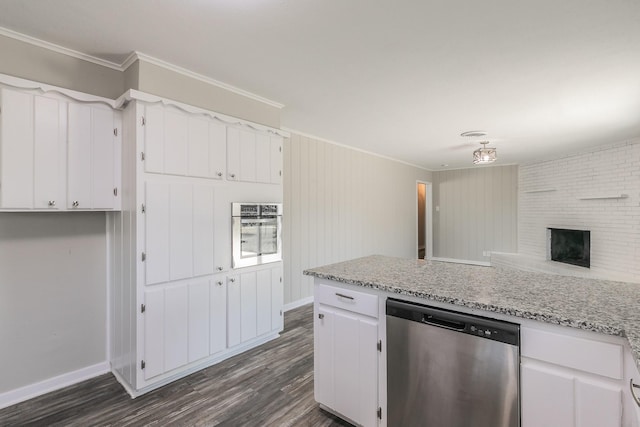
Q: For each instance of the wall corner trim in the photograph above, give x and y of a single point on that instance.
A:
(30, 391)
(59, 49)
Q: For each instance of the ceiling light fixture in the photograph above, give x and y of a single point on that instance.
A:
(484, 155)
(474, 133)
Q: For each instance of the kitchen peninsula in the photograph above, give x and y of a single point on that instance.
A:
(580, 338)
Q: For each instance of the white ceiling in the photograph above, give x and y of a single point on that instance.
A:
(402, 78)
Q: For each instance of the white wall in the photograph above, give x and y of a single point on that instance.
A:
(52, 295)
(342, 204)
(614, 223)
(475, 210)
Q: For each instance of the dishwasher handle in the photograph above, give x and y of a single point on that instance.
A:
(443, 323)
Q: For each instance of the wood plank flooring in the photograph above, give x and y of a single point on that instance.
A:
(271, 385)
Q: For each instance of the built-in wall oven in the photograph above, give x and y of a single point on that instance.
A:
(256, 231)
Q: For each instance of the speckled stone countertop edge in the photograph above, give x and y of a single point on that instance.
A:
(540, 317)
(612, 330)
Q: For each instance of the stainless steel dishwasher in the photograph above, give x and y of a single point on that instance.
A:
(448, 369)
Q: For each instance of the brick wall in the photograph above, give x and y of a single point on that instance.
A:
(549, 196)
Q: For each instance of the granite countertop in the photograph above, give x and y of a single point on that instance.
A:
(596, 305)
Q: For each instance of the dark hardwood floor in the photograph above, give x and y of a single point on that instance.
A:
(271, 385)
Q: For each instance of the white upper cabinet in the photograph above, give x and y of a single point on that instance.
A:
(276, 159)
(253, 156)
(217, 150)
(179, 143)
(58, 155)
(31, 151)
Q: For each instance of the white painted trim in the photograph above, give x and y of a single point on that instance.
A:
(196, 76)
(42, 88)
(133, 57)
(297, 303)
(59, 49)
(308, 135)
(133, 94)
(462, 261)
(37, 389)
(428, 223)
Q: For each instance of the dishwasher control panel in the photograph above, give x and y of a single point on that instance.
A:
(496, 330)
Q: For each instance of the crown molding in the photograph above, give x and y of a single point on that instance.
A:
(133, 57)
(59, 49)
(382, 156)
(196, 76)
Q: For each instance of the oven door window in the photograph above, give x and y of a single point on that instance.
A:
(268, 231)
(250, 238)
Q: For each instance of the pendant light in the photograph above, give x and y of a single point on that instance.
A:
(484, 155)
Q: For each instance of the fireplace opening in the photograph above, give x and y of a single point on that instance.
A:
(571, 246)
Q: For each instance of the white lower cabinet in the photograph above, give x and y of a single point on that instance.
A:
(569, 377)
(188, 322)
(346, 353)
(569, 381)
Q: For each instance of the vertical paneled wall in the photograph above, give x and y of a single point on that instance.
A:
(342, 204)
(475, 210)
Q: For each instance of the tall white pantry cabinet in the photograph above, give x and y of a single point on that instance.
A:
(176, 303)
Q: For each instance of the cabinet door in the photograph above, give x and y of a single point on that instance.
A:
(154, 138)
(277, 299)
(248, 306)
(176, 134)
(217, 150)
(79, 157)
(103, 148)
(263, 154)
(323, 356)
(48, 165)
(346, 363)
(16, 156)
(233, 154)
(233, 310)
(157, 232)
(198, 320)
(276, 159)
(203, 223)
(597, 404)
(176, 327)
(218, 316)
(222, 235)
(263, 301)
(198, 147)
(248, 156)
(180, 231)
(547, 398)
(153, 332)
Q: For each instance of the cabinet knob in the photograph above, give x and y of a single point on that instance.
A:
(219, 268)
(219, 283)
(320, 316)
(232, 175)
(52, 203)
(219, 174)
(75, 204)
(232, 280)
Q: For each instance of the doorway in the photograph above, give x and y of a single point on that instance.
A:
(423, 215)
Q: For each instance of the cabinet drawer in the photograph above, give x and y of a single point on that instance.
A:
(586, 355)
(346, 299)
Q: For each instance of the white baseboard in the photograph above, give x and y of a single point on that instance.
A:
(30, 391)
(297, 303)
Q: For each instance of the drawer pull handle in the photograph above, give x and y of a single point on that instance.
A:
(344, 296)
(633, 394)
